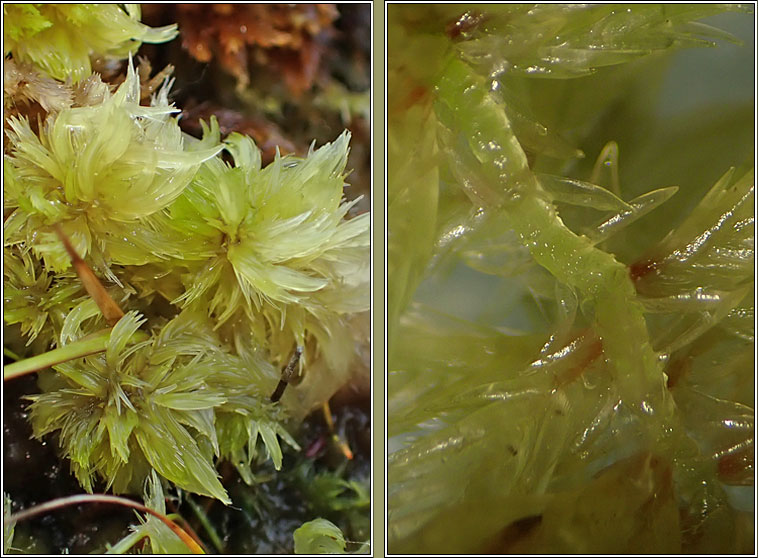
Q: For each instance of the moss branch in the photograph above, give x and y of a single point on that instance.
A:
(495, 173)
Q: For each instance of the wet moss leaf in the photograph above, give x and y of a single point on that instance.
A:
(319, 536)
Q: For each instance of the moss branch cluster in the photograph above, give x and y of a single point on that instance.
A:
(223, 267)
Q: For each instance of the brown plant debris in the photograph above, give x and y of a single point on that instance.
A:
(286, 38)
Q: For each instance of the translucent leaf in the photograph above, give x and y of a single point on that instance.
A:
(740, 320)
(319, 536)
(713, 247)
(532, 135)
(120, 335)
(246, 154)
(550, 42)
(720, 229)
(504, 259)
(579, 192)
(491, 247)
(120, 426)
(606, 169)
(190, 401)
(641, 206)
(698, 28)
(176, 456)
(86, 376)
(268, 434)
(202, 421)
(721, 427)
(690, 316)
(412, 197)
(696, 300)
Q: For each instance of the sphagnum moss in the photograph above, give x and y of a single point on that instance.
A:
(60, 39)
(223, 271)
(550, 431)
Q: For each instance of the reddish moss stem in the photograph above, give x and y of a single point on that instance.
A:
(104, 499)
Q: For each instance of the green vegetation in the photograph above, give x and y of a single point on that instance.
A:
(194, 273)
(319, 536)
(60, 39)
(571, 342)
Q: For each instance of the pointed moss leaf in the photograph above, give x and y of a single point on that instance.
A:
(86, 376)
(642, 205)
(154, 497)
(273, 281)
(253, 431)
(741, 319)
(606, 170)
(412, 187)
(287, 437)
(712, 248)
(699, 299)
(578, 61)
(189, 401)
(719, 230)
(83, 311)
(120, 426)
(176, 456)
(268, 435)
(120, 335)
(723, 427)
(211, 135)
(244, 151)
(319, 536)
(694, 314)
(705, 31)
(203, 421)
(579, 192)
(533, 135)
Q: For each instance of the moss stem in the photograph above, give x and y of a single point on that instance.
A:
(104, 499)
(90, 345)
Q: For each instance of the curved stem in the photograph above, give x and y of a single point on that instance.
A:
(103, 499)
(494, 171)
